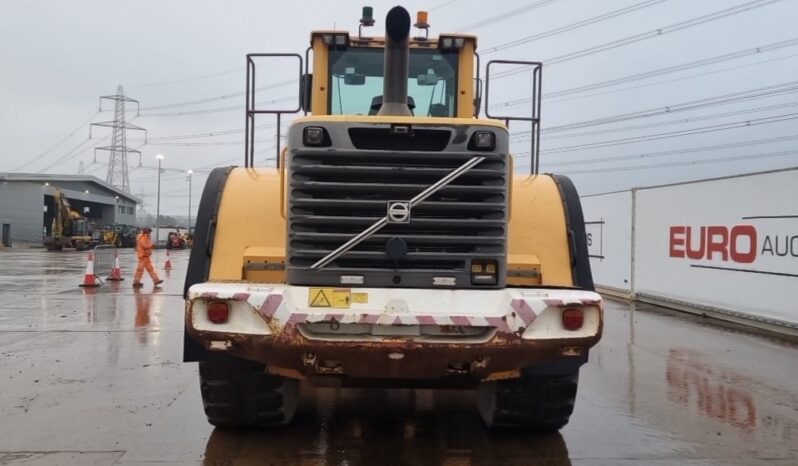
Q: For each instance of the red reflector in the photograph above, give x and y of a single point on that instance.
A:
(218, 312)
(572, 319)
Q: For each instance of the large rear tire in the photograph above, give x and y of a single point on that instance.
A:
(238, 393)
(536, 402)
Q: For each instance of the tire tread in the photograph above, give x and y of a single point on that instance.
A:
(238, 393)
(535, 402)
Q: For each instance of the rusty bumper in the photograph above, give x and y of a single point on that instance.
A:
(477, 336)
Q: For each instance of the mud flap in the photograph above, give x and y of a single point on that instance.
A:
(577, 238)
(199, 262)
(580, 271)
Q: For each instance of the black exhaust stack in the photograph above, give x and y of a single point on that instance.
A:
(397, 57)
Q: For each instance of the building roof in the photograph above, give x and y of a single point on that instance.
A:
(52, 178)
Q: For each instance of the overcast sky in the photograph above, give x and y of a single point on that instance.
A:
(58, 57)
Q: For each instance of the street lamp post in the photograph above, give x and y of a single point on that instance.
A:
(158, 201)
(188, 175)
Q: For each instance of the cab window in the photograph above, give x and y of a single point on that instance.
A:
(356, 78)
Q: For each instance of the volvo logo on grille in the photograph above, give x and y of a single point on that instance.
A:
(398, 212)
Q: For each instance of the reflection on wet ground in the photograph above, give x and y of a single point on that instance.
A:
(94, 376)
(401, 427)
(713, 392)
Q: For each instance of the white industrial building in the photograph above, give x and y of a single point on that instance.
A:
(27, 204)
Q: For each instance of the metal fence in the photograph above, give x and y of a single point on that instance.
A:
(104, 256)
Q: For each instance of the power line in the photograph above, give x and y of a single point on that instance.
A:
(733, 158)
(194, 102)
(443, 5)
(522, 137)
(671, 134)
(203, 135)
(683, 78)
(646, 35)
(740, 96)
(217, 109)
(677, 68)
(202, 144)
(658, 72)
(59, 142)
(185, 80)
(571, 27)
(665, 153)
(507, 15)
(177, 172)
(219, 97)
(72, 153)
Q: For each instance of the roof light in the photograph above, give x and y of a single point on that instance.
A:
(367, 18)
(421, 20)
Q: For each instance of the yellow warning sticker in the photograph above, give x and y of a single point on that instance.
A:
(360, 298)
(341, 299)
(336, 298)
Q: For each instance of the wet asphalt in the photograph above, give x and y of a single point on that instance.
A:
(95, 376)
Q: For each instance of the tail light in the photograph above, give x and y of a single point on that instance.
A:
(572, 319)
(218, 312)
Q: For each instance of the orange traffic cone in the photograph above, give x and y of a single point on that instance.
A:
(116, 272)
(89, 279)
(168, 264)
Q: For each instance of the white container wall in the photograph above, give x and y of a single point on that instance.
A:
(729, 244)
(608, 224)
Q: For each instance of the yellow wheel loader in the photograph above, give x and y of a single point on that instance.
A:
(121, 236)
(392, 246)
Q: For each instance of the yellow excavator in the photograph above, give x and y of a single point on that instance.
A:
(69, 228)
(392, 246)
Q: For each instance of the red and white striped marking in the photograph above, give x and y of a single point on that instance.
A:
(510, 310)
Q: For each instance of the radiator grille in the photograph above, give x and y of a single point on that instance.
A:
(334, 195)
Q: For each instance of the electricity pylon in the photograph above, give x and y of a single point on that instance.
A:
(117, 161)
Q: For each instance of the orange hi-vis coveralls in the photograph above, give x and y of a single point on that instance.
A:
(144, 251)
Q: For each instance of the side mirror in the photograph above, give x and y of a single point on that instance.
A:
(355, 79)
(306, 88)
(477, 96)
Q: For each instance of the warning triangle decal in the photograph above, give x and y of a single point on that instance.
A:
(320, 300)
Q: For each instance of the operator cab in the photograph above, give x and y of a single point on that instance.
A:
(349, 73)
(352, 76)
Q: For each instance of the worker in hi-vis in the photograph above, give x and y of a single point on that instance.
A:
(144, 251)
